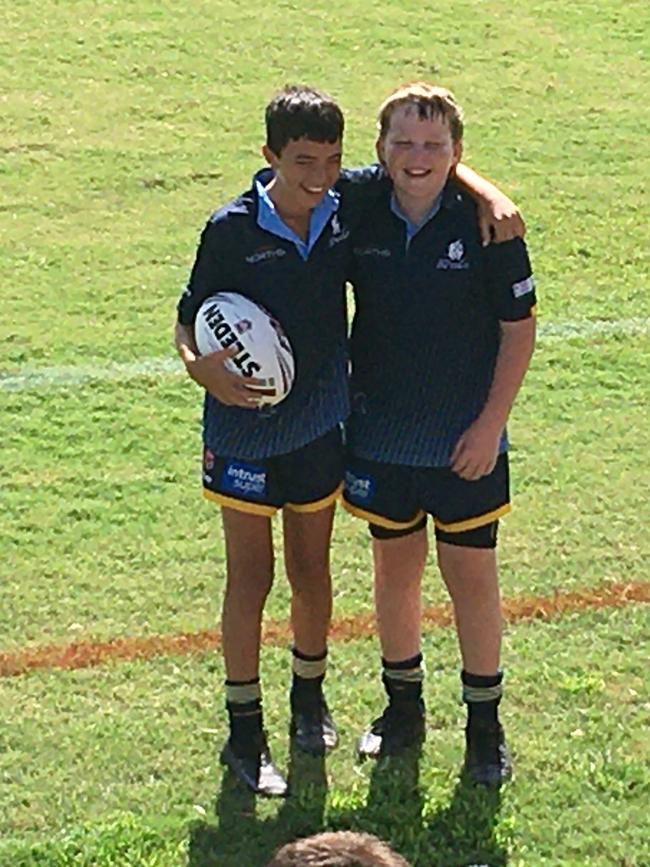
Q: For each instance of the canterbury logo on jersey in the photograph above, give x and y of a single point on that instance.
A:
(339, 232)
(336, 239)
(455, 259)
(372, 251)
(359, 488)
(264, 254)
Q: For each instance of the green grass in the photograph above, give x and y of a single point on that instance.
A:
(133, 751)
(122, 127)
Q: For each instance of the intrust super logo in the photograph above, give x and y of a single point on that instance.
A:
(243, 479)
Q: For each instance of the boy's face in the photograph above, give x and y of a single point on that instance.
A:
(418, 153)
(304, 172)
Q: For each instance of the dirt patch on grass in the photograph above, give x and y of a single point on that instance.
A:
(85, 654)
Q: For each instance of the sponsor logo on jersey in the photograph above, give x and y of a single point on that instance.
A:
(382, 252)
(359, 489)
(455, 258)
(244, 480)
(264, 254)
(523, 287)
(208, 459)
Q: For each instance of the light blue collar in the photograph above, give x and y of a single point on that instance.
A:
(269, 219)
(413, 228)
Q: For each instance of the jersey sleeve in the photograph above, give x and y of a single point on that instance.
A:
(510, 280)
(210, 272)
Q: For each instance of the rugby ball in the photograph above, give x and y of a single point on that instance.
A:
(229, 319)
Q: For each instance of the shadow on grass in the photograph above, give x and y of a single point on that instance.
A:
(461, 833)
(241, 840)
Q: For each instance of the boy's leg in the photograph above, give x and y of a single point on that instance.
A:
(399, 562)
(383, 495)
(249, 555)
(470, 574)
(307, 538)
(310, 483)
(471, 578)
(466, 546)
(399, 566)
(249, 576)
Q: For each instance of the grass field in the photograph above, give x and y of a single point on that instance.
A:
(122, 126)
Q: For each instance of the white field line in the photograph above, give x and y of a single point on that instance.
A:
(32, 379)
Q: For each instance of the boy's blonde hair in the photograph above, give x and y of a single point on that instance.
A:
(338, 849)
(428, 101)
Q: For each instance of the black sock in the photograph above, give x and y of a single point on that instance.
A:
(482, 695)
(244, 706)
(403, 678)
(308, 677)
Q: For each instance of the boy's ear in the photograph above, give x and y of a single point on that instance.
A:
(268, 155)
(379, 147)
(458, 153)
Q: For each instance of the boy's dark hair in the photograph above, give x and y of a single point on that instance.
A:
(298, 111)
(338, 849)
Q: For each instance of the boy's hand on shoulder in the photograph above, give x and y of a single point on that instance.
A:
(499, 219)
(476, 452)
(231, 389)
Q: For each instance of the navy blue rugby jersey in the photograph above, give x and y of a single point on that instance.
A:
(305, 292)
(426, 330)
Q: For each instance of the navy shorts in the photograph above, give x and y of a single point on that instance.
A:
(306, 480)
(397, 497)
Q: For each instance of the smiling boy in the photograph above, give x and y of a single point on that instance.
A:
(442, 337)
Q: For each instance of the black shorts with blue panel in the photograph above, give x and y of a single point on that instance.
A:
(305, 480)
(395, 500)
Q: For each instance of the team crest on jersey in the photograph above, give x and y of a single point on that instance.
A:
(455, 258)
(339, 232)
(359, 489)
(456, 251)
(264, 254)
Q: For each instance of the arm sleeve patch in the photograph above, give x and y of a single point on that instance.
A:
(511, 285)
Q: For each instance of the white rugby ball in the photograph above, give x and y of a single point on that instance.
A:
(263, 349)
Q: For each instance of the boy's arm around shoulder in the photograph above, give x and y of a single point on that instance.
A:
(499, 218)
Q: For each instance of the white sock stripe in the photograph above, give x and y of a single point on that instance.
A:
(482, 693)
(60, 377)
(243, 693)
(309, 668)
(406, 675)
